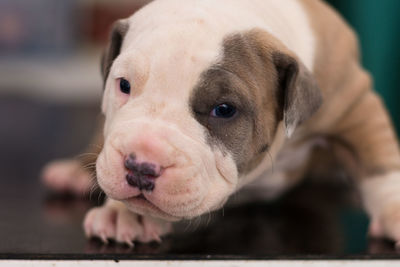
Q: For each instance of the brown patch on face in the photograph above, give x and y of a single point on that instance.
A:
(247, 79)
(265, 83)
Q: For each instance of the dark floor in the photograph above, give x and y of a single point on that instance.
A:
(313, 220)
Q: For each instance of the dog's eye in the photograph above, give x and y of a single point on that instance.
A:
(124, 86)
(225, 111)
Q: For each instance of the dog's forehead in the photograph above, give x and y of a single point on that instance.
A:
(207, 22)
(178, 62)
(182, 39)
(174, 56)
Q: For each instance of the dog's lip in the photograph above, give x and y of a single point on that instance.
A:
(141, 200)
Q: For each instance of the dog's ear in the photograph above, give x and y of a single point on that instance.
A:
(119, 29)
(300, 96)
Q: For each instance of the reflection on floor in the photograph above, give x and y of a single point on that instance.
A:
(316, 218)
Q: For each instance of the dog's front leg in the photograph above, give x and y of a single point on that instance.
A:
(367, 129)
(382, 200)
(114, 221)
(75, 175)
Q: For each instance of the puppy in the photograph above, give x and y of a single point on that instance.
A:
(202, 97)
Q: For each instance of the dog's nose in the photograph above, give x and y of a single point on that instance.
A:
(141, 174)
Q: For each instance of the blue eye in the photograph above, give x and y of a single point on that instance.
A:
(124, 86)
(224, 111)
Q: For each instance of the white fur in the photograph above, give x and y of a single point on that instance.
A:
(115, 221)
(286, 20)
(379, 190)
(382, 201)
(168, 45)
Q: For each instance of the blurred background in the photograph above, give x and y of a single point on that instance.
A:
(50, 50)
(50, 90)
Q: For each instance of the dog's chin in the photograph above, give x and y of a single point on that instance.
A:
(140, 205)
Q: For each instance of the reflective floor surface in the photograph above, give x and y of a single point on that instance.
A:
(314, 220)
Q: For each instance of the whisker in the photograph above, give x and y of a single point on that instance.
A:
(188, 225)
(209, 217)
(91, 192)
(87, 154)
(96, 146)
(94, 186)
(197, 223)
(88, 167)
(272, 163)
(99, 197)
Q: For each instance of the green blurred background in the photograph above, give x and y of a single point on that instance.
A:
(377, 24)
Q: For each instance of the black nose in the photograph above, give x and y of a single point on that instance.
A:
(141, 175)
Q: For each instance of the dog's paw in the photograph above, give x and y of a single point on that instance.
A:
(381, 197)
(387, 224)
(114, 221)
(67, 176)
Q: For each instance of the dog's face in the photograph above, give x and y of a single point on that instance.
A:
(189, 118)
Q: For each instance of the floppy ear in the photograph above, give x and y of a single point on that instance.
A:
(119, 29)
(300, 95)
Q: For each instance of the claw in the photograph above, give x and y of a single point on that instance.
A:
(103, 238)
(88, 234)
(156, 238)
(115, 222)
(129, 242)
(375, 229)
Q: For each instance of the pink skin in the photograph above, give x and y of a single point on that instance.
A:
(115, 221)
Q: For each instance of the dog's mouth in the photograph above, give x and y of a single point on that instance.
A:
(142, 205)
(140, 199)
(141, 196)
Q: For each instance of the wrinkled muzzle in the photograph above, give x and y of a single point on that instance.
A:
(160, 170)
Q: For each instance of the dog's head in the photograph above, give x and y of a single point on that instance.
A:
(190, 113)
